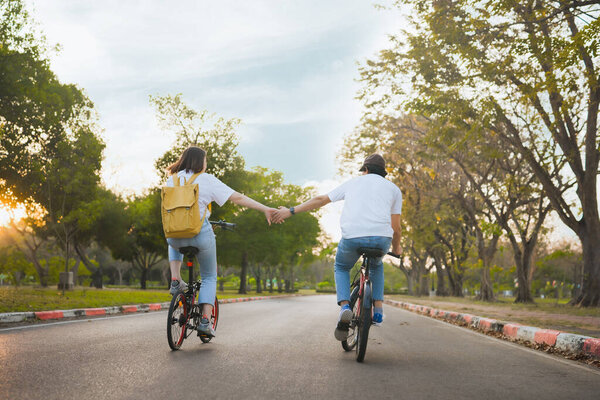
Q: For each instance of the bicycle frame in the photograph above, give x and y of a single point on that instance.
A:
(363, 287)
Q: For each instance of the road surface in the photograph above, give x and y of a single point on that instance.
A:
(278, 349)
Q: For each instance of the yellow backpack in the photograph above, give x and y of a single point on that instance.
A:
(180, 210)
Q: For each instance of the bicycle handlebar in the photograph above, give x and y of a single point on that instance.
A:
(225, 225)
(393, 255)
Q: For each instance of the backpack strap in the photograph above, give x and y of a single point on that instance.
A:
(192, 178)
(177, 179)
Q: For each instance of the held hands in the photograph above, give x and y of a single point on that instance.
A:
(280, 215)
(269, 212)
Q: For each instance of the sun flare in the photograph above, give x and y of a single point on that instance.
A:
(8, 214)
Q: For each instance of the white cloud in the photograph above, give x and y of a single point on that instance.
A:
(270, 63)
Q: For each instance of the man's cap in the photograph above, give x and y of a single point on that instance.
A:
(373, 159)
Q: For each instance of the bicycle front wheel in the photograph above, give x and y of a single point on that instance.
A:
(177, 321)
(214, 319)
(364, 323)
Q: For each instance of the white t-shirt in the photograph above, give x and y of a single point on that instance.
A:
(210, 188)
(370, 200)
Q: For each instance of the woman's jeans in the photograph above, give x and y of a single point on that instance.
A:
(346, 257)
(206, 257)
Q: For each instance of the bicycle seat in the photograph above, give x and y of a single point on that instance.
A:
(371, 252)
(188, 251)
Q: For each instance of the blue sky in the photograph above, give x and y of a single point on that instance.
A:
(286, 68)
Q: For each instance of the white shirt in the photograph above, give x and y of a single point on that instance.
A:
(370, 201)
(210, 188)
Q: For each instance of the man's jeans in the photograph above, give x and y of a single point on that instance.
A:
(346, 257)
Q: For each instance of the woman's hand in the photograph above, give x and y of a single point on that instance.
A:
(269, 213)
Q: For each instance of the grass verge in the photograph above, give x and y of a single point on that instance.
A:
(45, 299)
(544, 313)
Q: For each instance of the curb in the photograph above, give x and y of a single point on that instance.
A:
(575, 345)
(6, 318)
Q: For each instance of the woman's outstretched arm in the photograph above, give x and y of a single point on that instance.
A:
(245, 201)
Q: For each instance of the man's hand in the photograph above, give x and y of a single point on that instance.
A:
(280, 215)
(397, 250)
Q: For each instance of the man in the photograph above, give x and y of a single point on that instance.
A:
(370, 218)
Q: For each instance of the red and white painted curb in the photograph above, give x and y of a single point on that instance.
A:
(87, 312)
(567, 342)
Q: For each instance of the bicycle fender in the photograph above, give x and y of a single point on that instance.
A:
(367, 297)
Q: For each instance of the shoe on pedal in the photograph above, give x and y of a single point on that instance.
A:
(341, 330)
(205, 328)
(177, 286)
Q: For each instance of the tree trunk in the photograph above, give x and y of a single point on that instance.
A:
(590, 243)
(486, 255)
(243, 274)
(486, 292)
(75, 271)
(143, 278)
(424, 285)
(441, 282)
(96, 272)
(523, 261)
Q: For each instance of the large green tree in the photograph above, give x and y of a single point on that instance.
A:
(529, 71)
(35, 108)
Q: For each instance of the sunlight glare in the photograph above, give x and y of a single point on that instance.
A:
(8, 214)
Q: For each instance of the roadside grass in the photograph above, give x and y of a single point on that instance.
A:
(15, 299)
(544, 313)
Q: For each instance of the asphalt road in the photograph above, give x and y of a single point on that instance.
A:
(276, 349)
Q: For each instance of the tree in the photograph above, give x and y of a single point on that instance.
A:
(529, 70)
(34, 106)
(214, 134)
(146, 244)
(254, 244)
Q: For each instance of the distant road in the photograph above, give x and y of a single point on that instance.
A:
(279, 349)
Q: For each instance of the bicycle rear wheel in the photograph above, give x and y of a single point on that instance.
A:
(349, 343)
(364, 324)
(214, 318)
(177, 321)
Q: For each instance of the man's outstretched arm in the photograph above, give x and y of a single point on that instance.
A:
(312, 204)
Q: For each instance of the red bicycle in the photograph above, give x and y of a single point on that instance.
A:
(184, 312)
(361, 303)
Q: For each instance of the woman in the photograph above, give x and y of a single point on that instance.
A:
(192, 161)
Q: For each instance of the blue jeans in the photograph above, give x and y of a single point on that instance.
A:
(206, 257)
(346, 257)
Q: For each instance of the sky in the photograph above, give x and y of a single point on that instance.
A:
(288, 69)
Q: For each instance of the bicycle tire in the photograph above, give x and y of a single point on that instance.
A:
(349, 343)
(177, 321)
(214, 317)
(364, 323)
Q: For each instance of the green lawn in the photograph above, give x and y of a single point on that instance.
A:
(39, 299)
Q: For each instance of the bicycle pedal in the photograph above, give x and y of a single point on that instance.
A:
(343, 325)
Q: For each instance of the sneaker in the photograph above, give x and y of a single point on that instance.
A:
(178, 286)
(377, 319)
(205, 328)
(341, 330)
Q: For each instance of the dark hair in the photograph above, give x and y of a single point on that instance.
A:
(191, 159)
(376, 169)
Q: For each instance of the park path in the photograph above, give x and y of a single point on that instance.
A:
(278, 348)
